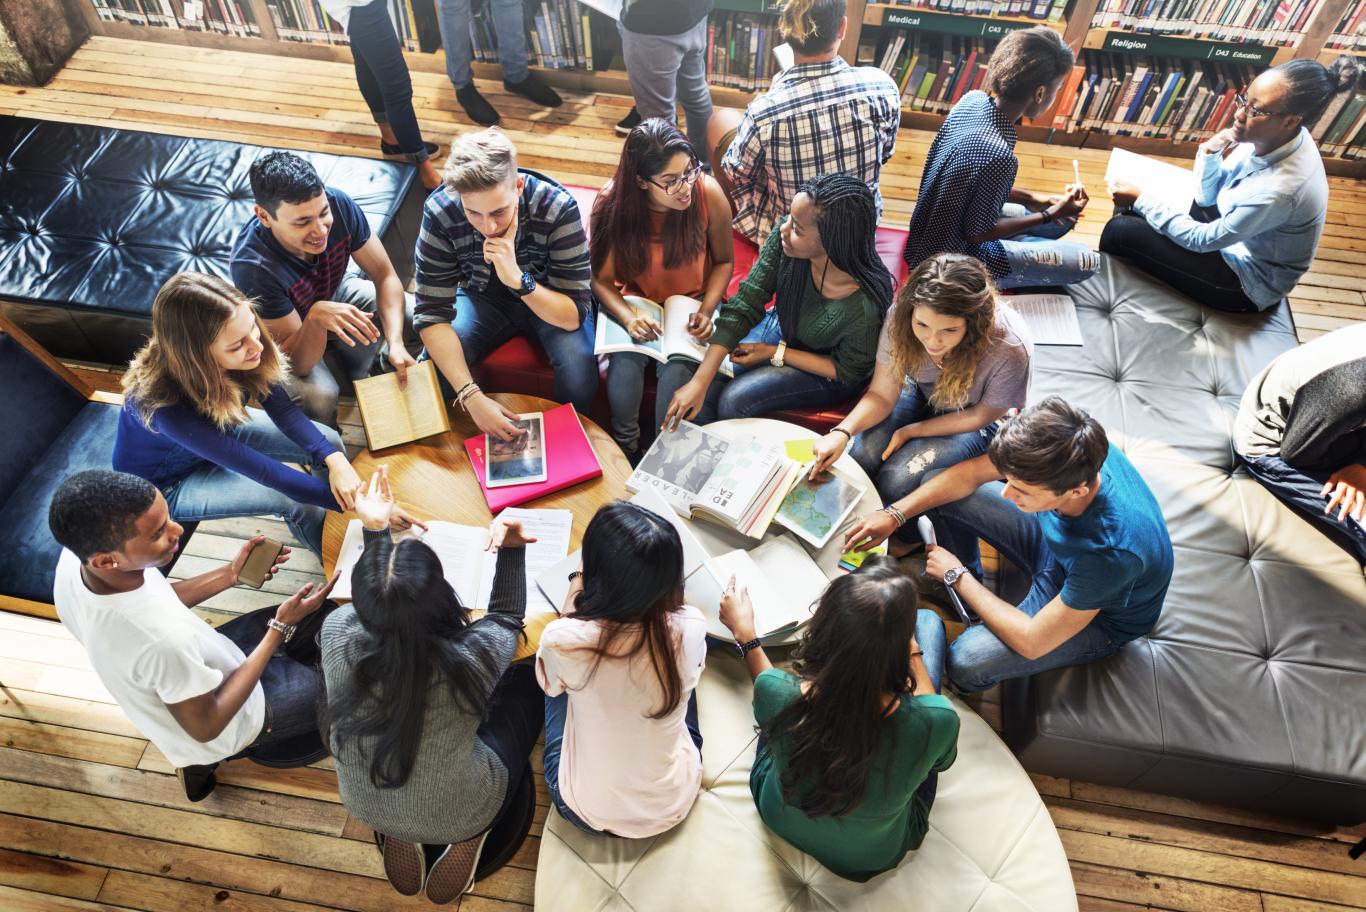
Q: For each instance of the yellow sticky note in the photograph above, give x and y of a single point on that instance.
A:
(854, 559)
(802, 451)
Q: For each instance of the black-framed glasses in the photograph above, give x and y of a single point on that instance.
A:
(675, 185)
(1241, 100)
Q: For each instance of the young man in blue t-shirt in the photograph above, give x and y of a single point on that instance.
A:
(292, 259)
(1059, 502)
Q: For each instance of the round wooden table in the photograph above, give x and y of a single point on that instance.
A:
(433, 478)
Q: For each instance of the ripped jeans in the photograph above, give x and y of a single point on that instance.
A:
(1039, 257)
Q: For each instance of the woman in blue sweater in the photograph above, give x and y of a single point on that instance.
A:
(206, 419)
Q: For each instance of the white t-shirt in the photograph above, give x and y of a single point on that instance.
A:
(150, 650)
(340, 10)
(620, 770)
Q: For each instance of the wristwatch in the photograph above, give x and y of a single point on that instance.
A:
(954, 575)
(286, 630)
(527, 287)
(745, 648)
(777, 359)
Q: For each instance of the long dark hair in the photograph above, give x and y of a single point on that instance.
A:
(620, 225)
(632, 582)
(846, 219)
(856, 650)
(413, 621)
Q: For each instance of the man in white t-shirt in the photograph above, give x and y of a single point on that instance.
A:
(190, 689)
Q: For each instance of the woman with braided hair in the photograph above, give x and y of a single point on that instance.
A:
(952, 361)
(817, 346)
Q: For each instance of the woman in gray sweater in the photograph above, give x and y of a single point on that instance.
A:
(430, 725)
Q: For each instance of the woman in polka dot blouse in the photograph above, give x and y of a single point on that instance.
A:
(968, 202)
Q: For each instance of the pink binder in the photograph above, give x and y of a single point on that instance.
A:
(569, 460)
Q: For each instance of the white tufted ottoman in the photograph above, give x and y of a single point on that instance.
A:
(991, 845)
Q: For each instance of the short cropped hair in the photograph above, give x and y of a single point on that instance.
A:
(283, 177)
(1026, 59)
(1051, 444)
(480, 160)
(97, 510)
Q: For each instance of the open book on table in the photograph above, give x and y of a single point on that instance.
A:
(737, 483)
(783, 582)
(674, 341)
(465, 563)
(393, 415)
(1171, 182)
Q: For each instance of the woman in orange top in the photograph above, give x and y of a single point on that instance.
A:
(660, 228)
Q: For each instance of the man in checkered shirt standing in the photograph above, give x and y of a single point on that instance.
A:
(821, 116)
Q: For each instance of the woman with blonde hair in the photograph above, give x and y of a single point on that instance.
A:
(206, 417)
(952, 361)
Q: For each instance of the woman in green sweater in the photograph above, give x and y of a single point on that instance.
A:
(816, 347)
(850, 747)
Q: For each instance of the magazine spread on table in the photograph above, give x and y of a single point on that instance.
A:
(737, 483)
(674, 341)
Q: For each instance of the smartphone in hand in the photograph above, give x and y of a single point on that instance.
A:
(259, 562)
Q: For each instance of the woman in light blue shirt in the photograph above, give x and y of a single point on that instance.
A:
(1260, 202)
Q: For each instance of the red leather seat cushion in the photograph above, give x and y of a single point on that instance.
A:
(520, 366)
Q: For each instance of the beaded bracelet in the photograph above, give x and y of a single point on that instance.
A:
(892, 511)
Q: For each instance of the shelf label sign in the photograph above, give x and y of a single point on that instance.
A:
(1163, 46)
(972, 26)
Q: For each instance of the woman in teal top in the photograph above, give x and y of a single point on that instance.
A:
(851, 745)
(817, 345)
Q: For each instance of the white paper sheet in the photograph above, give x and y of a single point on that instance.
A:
(1171, 182)
(551, 528)
(1051, 318)
(459, 548)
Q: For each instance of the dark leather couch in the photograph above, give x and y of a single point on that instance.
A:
(1251, 690)
(54, 432)
(93, 220)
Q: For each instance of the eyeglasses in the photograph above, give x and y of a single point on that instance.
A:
(1241, 100)
(676, 185)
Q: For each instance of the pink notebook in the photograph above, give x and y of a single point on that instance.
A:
(569, 460)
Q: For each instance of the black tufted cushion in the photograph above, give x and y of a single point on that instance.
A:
(93, 220)
(1251, 690)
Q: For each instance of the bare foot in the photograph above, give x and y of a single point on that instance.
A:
(427, 173)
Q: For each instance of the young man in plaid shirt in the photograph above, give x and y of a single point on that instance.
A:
(821, 116)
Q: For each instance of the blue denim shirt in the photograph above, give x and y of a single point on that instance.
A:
(1272, 210)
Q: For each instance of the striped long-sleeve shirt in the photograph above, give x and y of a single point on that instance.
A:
(818, 118)
(551, 245)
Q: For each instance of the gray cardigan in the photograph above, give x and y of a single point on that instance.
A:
(457, 783)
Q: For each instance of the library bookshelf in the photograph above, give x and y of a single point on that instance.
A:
(870, 24)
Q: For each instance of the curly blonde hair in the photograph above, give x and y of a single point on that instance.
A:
(952, 285)
(175, 365)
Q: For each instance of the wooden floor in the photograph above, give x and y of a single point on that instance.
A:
(91, 817)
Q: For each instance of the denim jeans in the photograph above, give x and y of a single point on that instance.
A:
(904, 470)
(317, 391)
(1038, 256)
(510, 729)
(382, 76)
(290, 683)
(455, 17)
(484, 323)
(1205, 277)
(1300, 490)
(556, 710)
(625, 387)
(213, 492)
(756, 390)
(978, 659)
(665, 70)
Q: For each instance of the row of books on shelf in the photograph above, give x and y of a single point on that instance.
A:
(1183, 100)
(226, 17)
(1043, 10)
(560, 34)
(1276, 23)
(306, 20)
(1350, 32)
(740, 50)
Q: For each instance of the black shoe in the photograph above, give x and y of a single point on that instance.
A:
(629, 122)
(386, 149)
(534, 89)
(476, 106)
(197, 781)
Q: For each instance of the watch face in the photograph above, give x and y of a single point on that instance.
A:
(528, 283)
